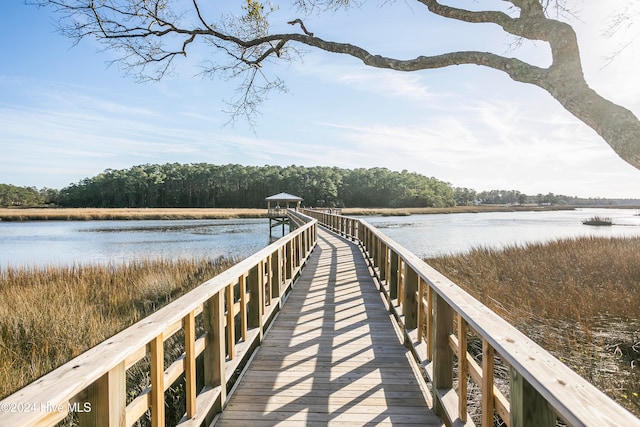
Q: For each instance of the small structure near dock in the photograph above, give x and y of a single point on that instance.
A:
(278, 213)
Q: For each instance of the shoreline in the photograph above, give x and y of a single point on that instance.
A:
(102, 214)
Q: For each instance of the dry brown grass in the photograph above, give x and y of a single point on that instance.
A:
(578, 298)
(50, 315)
(87, 214)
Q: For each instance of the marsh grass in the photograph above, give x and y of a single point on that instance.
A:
(50, 315)
(88, 214)
(578, 298)
(598, 220)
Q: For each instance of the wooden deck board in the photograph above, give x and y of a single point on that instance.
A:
(332, 357)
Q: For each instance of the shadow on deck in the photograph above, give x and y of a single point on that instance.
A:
(332, 356)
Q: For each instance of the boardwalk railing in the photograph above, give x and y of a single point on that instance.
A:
(439, 319)
(218, 325)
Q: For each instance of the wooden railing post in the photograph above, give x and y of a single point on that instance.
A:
(365, 240)
(256, 299)
(528, 408)
(410, 307)
(289, 260)
(463, 369)
(429, 322)
(231, 330)
(421, 310)
(442, 355)
(382, 260)
(157, 381)
(305, 243)
(393, 276)
(107, 400)
(299, 252)
(190, 363)
(276, 269)
(214, 353)
(487, 384)
(242, 283)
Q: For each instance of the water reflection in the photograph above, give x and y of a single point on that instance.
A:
(67, 242)
(441, 234)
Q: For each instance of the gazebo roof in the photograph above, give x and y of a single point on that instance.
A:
(284, 197)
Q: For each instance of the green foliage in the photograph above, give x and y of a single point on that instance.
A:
(513, 197)
(236, 186)
(254, 10)
(11, 195)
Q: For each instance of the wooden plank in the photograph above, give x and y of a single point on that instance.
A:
(393, 275)
(463, 369)
(323, 423)
(231, 330)
(138, 406)
(157, 381)
(341, 418)
(487, 384)
(242, 282)
(442, 356)
(410, 306)
(449, 401)
(107, 398)
(251, 394)
(190, 364)
(528, 408)
(421, 309)
(214, 352)
(332, 355)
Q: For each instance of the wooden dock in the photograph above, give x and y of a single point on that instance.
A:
(332, 356)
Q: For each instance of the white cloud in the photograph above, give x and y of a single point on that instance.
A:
(498, 146)
(379, 82)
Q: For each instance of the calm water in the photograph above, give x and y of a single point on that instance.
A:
(432, 235)
(66, 242)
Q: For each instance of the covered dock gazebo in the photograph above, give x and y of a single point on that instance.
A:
(277, 206)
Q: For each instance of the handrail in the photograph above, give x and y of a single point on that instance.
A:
(94, 384)
(433, 311)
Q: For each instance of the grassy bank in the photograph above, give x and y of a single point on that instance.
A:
(87, 214)
(50, 315)
(578, 298)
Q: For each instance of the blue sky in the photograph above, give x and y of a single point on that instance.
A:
(65, 114)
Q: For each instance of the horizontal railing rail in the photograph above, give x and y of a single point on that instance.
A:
(439, 320)
(218, 324)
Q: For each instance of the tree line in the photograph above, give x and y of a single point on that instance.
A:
(12, 195)
(235, 186)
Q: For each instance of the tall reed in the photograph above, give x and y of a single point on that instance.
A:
(50, 315)
(578, 298)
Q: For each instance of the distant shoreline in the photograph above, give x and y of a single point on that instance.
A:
(472, 209)
(94, 214)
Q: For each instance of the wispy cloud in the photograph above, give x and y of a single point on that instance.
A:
(381, 82)
(501, 146)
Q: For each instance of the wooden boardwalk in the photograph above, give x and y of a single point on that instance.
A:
(332, 357)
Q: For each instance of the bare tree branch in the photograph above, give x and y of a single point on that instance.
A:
(150, 35)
